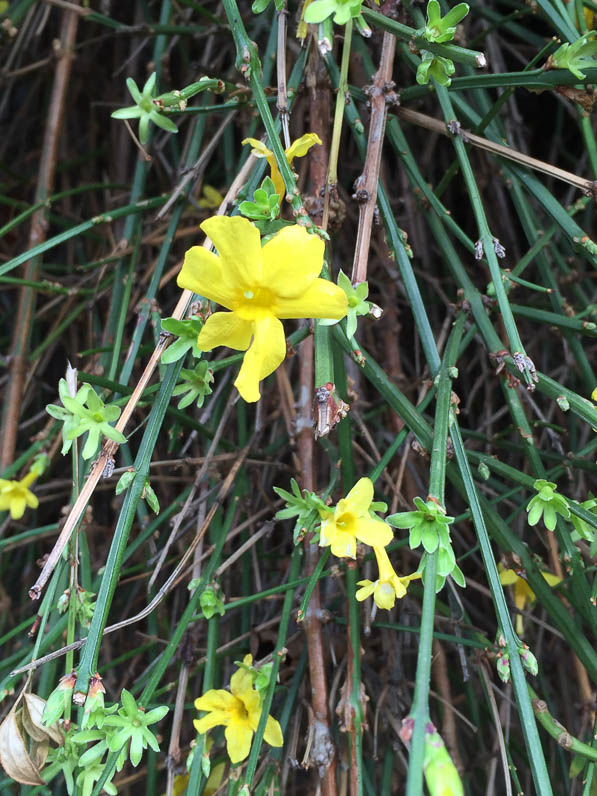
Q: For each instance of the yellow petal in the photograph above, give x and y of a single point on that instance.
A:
(552, 579)
(29, 478)
(361, 495)
(241, 682)
(238, 741)
(261, 151)
(215, 700)
(384, 565)
(273, 732)
(267, 351)
(322, 299)
(292, 260)
(344, 545)
(17, 507)
(259, 148)
(373, 532)
(398, 586)
(367, 588)
(31, 499)
(202, 273)
(523, 594)
(507, 576)
(239, 245)
(327, 532)
(384, 596)
(301, 146)
(225, 328)
(212, 719)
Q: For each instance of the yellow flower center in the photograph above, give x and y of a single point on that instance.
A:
(240, 712)
(347, 522)
(254, 302)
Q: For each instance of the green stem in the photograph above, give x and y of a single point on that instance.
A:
(340, 106)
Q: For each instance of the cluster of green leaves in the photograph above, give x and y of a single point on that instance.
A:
(438, 30)
(576, 56)
(428, 526)
(187, 332)
(307, 507)
(195, 385)
(265, 205)
(85, 412)
(149, 495)
(118, 728)
(357, 304)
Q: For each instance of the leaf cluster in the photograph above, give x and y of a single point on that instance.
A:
(428, 526)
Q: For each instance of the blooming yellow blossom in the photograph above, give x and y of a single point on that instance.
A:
(239, 710)
(297, 149)
(524, 596)
(351, 520)
(16, 495)
(260, 285)
(388, 585)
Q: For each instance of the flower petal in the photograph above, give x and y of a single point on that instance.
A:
(360, 496)
(273, 732)
(373, 532)
(33, 503)
(507, 576)
(367, 588)
(17, 507)
(238, 741)
(267, 351)
(239, 245)
(225, 328)
(203, 274)
(212, 719)
(219, 699)
(259, 148)
(384, 596)
(552, 579)
(322, 299)
(301, 146)
(241, 683)
(292, 261)
(344, 545)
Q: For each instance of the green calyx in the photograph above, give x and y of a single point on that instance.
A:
(547, 503)
(85, 412)
(145, 109)
(441, 29)
(340, 10)
(436, 67)
(576, 56)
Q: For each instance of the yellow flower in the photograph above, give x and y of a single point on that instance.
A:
(260, 286)
(351, 520)
(239, 710)
(388, 586)
(523, 594)
(16, 495)
(297, 149)
(210, 199)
